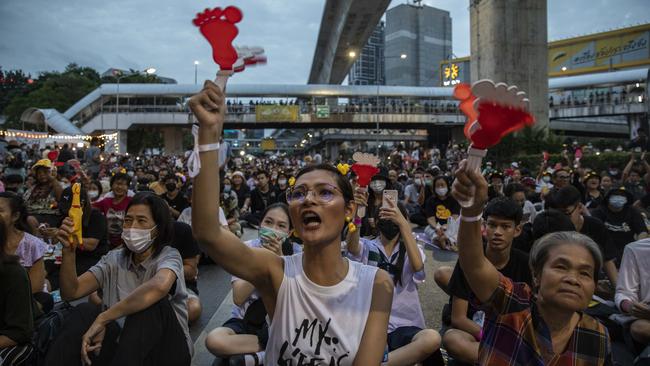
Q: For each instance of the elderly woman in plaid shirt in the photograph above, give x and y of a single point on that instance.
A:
(544, 325)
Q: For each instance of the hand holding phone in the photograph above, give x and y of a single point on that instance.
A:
(389, 195)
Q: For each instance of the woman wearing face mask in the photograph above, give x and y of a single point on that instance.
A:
(283, 185)
(95, 191)
(245, 335)
(142, 282)
(322, 307)
(442, 211)
(624, 222)
(395, 251)
(230, 206)
(377, 185)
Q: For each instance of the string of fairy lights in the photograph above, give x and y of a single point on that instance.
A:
(32, 135)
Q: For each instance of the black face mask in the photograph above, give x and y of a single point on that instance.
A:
(388, 229)
(170, 187)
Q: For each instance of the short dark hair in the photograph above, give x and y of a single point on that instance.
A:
(550, 221)
(161, 216)
(513, 188)
(120, 176)
(262, 172)
(505, 208)
(563, 198)
(17, 206)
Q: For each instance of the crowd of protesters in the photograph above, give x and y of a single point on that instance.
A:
(321, 282)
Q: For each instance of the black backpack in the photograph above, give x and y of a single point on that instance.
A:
(46, 329)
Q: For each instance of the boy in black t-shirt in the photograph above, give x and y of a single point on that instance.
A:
(174, 197)
(464, 323)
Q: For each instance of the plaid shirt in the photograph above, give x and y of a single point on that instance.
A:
(514, 333)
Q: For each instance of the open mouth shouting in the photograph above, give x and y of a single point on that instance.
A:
(310, 220)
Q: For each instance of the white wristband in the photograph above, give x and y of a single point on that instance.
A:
(209, 147)
(471, 218)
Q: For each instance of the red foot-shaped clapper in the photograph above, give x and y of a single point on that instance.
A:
(218, 27)
(365, 173)
(492, 111)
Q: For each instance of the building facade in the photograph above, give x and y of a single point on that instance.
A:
(369, 67)
(423, 34)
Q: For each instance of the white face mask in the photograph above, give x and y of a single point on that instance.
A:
(378, 185)
(282, 182)
(418, 181)
(93, 194)
(65, 185)
(137, 240)
(442, 191)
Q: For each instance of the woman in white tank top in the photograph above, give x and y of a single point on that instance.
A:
(323, 308)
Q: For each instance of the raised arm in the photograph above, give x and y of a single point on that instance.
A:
(481, 275)
(72, 287)
(352, 239)
(628, 168)
(223, 247)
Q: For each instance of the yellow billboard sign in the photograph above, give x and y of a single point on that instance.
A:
(598, 52)
(277, 113)
(268, 144)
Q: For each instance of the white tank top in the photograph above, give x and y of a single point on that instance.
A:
(319, 324)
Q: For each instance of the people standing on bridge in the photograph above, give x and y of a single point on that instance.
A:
(349, 302)
(142, 282)
(395, 251)
(542, 325)
(244, 336)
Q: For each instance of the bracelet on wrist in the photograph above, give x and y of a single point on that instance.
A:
(471, 218)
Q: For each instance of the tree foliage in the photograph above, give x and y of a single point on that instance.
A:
(13, 83)
(526, 142)
(53, 90)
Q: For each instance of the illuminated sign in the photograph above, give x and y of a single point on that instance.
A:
(451, 73)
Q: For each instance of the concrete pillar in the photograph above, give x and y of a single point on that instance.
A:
(173, 140)
(121, 141)
(509, 44)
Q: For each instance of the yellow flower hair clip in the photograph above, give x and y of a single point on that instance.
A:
(343, 168)
(292, 181)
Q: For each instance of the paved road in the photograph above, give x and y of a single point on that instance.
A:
(216, 298)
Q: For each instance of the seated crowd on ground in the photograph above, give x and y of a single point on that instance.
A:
(555, 255)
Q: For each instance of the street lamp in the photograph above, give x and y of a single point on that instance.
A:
(196, 70)
(147, 71)
(402, 56)
(352, 54)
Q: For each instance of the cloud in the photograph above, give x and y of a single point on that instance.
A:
(46, 35)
